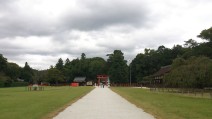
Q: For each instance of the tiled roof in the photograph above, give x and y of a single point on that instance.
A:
(163, 70)
(79, 79)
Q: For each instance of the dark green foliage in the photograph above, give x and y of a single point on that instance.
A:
(67, 70)
(196, 72)
(10, 72)
(55, 76)
(97, 66)
(118, 70)
(59, 64)
(40, 76)
(75, 68)
(13, 71)
(140, 67)
(18, 84)
(206, 34)
(3, 63)
(27, 73)
(190, 43)
(148, 63)
(4, 80)
(83, 56)
(205, 49)
(83, 65)
(89, 67)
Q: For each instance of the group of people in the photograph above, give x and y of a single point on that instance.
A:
(102, 85)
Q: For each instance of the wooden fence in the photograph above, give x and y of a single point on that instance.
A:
(206, 92)
(125, 85)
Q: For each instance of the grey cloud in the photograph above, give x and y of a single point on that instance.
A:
(114, 46)
(12, 49)
(22, 51)
(19, 25)
(17, 21)
(92, 15)
(5, 2)
(96, 15)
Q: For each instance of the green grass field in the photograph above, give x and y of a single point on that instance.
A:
(168, 105)
(17, 103)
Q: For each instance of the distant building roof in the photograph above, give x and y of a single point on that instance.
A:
(79, 79)
(21, 80)
(163, 70)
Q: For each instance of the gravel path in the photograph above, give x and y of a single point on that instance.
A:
(102, 103)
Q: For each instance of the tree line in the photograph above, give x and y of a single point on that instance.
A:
(192, 55)
(64, 72)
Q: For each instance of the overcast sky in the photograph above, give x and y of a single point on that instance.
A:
(41, 31)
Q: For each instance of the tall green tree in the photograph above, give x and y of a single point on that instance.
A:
(84, 64)
(147, 63)
(59, 64)
(143, 65)
(41, 76)
(55, 76)
(67, 63)
(97, 66)
(206, 34)
(67, 71)
(13, 70)
(83, 56)
(177, 51)
(118, 69)
(75, 68)
(27, 73)
(190, 43)
(3, 63)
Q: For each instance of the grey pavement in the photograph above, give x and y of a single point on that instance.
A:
(102, 103)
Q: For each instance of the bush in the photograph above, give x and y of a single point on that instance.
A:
(19, 84)
(1, 84)
(4, 80)
(7, 82)
(195, 72)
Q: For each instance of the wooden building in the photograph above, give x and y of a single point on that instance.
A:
(80, 80)
(159, 75)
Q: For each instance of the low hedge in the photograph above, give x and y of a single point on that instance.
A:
(12, 84)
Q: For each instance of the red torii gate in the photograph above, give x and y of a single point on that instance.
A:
(102, 77)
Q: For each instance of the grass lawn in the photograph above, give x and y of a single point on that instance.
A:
(17, 103)
(168, 105)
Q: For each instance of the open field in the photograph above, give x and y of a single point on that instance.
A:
(17, 103)
(168, 105)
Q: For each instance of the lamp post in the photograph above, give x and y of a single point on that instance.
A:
(130, 75)
(130, 72)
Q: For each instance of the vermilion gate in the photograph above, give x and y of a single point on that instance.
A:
(102, 78)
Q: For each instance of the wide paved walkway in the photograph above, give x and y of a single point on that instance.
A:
(102, 103)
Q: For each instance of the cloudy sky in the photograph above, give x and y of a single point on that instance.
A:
(41, 31)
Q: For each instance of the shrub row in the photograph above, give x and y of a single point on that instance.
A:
(12, 84)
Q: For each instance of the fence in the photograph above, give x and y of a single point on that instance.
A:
(205, 92)
(35, 88)
(125, 85)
